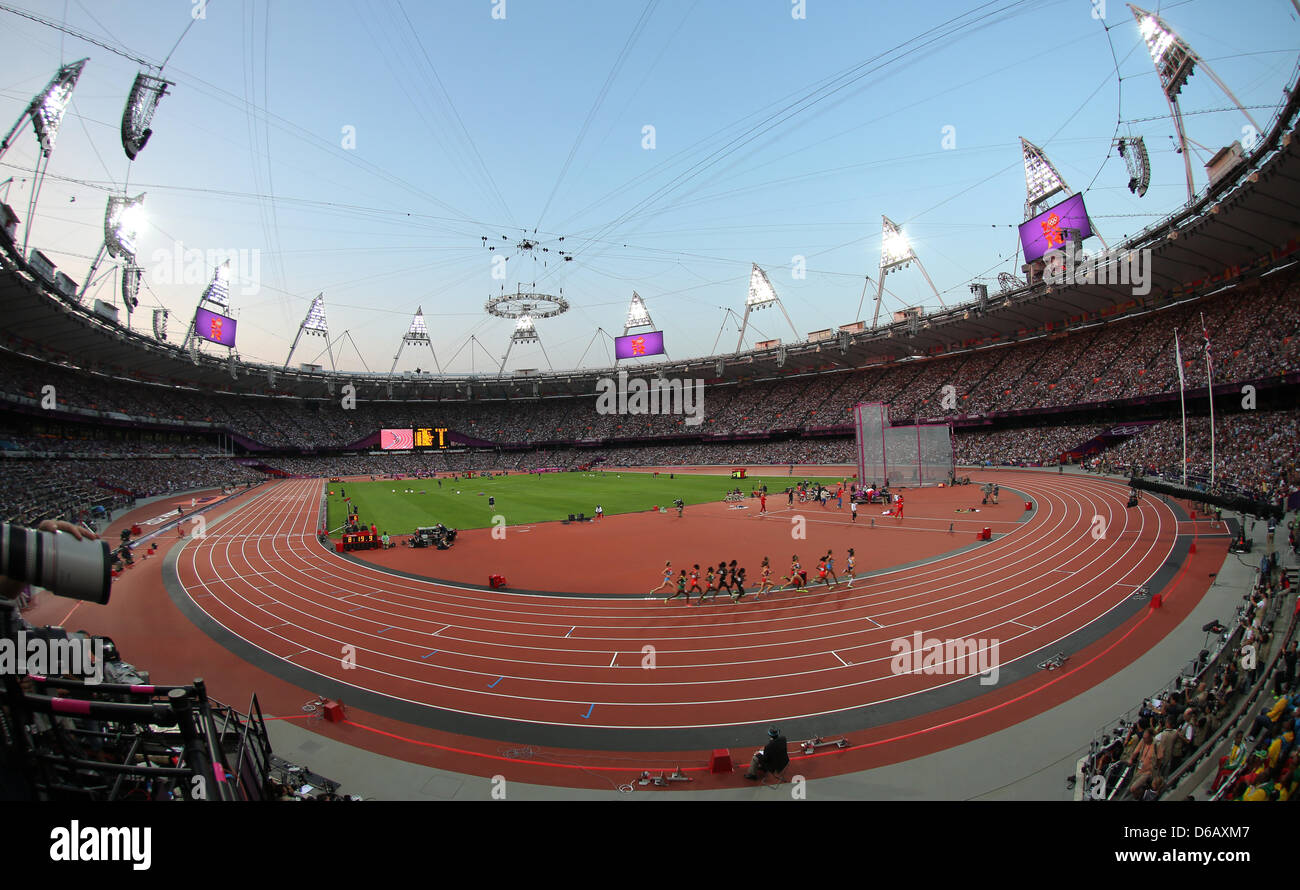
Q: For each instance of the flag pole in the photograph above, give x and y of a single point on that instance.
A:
(1182, 401)
(1209, 379)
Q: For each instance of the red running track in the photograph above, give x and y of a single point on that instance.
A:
(577, 661)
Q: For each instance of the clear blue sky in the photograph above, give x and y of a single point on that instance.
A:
(464, 123)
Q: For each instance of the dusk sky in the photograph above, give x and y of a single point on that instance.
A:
(365, 150)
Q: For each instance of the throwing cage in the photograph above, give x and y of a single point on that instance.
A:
(912, 455)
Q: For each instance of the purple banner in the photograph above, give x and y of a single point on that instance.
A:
(637, 345)
(215, 328)
(1047, 230)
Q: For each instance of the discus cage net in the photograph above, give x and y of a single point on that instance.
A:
(909, 455)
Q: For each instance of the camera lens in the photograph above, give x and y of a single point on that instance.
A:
(57, 562)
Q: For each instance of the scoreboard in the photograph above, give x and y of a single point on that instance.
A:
(419, 438)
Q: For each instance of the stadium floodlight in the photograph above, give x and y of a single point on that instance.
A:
(146, 92)
(218, 289)
(416, 335)
(316, 325)
(637, 314)
(761, 295)
(525, 330)
(895, 250)
(45, 113)
(123, 220)
(315, 322)
(1175, 62)
(1042, 180)
(761, 292)
(895, 253)
(46, 109)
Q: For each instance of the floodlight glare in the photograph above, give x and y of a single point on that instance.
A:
(1173, 58)
(895, 250)
(761, 292)
(45, 111)
(123, 221)
(637, 314)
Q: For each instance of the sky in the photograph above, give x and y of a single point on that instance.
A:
(371, 150)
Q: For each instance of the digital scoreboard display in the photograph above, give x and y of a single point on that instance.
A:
(415, 438)
(637, 345)
(214, 328)
(1047, 230)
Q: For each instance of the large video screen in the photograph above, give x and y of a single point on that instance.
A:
(396, 440)
(637, 345)
(215, 328)
(1047, 230)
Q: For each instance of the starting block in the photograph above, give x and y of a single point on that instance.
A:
(663, 779)
(1056, 662)
(813, 744)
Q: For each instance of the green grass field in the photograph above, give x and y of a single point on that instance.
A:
(527, 499)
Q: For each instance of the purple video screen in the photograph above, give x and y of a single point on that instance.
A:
(1047, 230)
(215, 328)
(637, 345)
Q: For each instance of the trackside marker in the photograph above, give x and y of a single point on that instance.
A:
(589, 710)
(495, 682)
(430, 655)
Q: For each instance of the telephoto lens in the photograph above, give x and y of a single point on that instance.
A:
(57, 562)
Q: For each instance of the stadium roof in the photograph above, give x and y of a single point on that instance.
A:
(1237, 228)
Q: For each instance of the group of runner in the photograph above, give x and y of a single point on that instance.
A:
(727, 576)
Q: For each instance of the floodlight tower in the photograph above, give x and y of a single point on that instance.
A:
(524, 306)
(1042, 180)
(146, 92)
(215, 298)
(45, 113)
(416, 335)
(1044, 185)
(761, 296)
(638, 316)
(895, 254)
(315, 325)
(1175, 62)
(123, 220)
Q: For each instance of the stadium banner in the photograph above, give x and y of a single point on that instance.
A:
(638, 345)
(1047, 230)
(214, 328)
